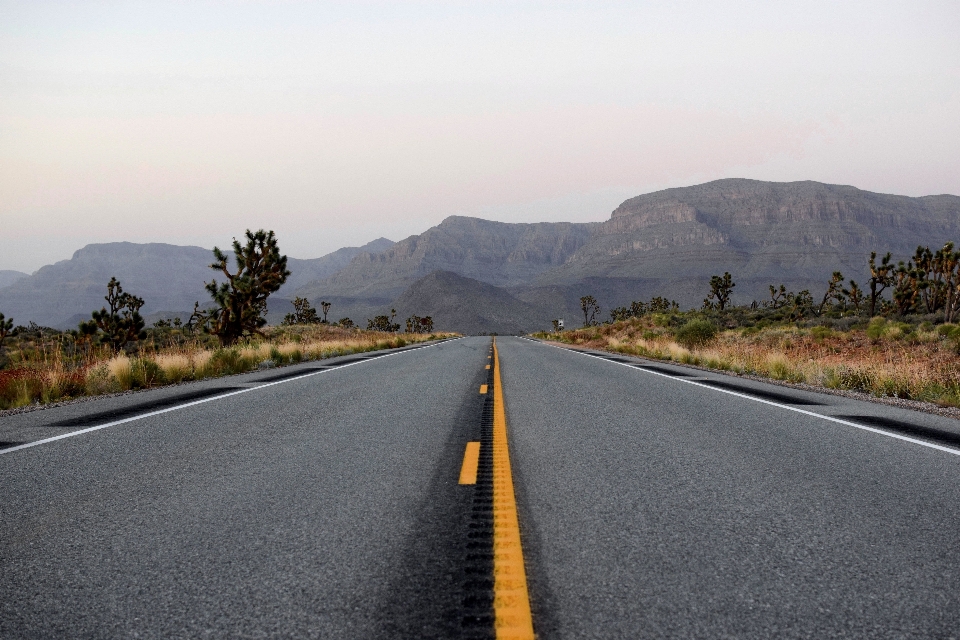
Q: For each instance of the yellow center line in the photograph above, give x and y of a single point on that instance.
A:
(471, 458)
(483, 388)
(511, 600)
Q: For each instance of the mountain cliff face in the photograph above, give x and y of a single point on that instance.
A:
(667, 243)
(498, 253)
(306, 271)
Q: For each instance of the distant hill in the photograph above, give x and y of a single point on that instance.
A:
(169, 278)
(468, 306)
(664, 243)
(305, 271)
(7, 277)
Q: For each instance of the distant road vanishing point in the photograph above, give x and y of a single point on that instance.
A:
(477, 489)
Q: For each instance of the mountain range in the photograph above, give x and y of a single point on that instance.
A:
(8, 277)
(664, 243)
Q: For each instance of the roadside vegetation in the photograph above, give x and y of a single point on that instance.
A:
(113, 351)
(43, 365)
(905, 344)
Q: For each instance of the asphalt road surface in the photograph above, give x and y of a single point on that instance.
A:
(323, 500)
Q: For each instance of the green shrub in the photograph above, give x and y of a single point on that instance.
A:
(228, 361)
(696, 333)
(854, 379)
(821, 333)
(948, 330)
(877, 329)
(99, 381)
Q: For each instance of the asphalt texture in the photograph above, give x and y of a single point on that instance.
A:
(328, 506)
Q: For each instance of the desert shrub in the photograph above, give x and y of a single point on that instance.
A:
(99, 381)
(951, 334)
(227, 362)
(778, 366)
(948, 330)
(146, 373)
(854, 379)
(877, 329)
(65, 384)
(696, 333)
(821, 333)
(19, 387)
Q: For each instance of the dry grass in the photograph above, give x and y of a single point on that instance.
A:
(50, 377)
(885, 359)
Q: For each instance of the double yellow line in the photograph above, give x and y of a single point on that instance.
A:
(511, 599)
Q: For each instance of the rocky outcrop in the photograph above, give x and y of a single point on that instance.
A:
(498, 253)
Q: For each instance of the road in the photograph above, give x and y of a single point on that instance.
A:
(650, 500)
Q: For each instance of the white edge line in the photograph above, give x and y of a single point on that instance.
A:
(922, 443)
(141, 416)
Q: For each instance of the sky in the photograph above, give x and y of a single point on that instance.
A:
(334, 123)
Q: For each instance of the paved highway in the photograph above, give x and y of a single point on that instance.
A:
(325, 501)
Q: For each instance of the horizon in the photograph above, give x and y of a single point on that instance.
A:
(361, 244)
(337, 123)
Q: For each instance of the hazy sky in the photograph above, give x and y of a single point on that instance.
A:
(335, 123)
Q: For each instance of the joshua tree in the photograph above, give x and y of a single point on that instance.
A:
(590, 310)
(416, 324)
(854, 294)
(800, 305)
(948, 264)
(778, 297)
(834, 291)
(242, 300)
(638, 309)
(720, 289)
(5, 327)
(907, 284)
(346, 323)
(382, 323)
(121, 323)
(880, 279)
(662, 305)
(303, 313)
(326, 309)
(940, 286)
